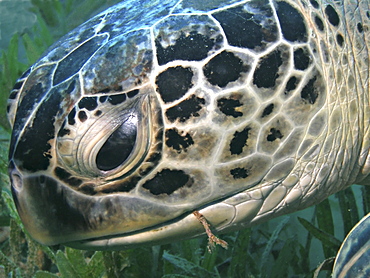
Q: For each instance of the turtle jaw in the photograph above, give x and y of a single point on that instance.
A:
(53, 213)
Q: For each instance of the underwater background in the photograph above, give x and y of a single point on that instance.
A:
(290, 246)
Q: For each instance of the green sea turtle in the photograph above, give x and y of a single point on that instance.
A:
(238, 110)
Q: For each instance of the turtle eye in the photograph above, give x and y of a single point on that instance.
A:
(119, 145)
(105, 137)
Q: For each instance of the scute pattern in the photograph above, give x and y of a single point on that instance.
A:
(142, 115)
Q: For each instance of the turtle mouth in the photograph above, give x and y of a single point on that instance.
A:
(184, 227)
(53, 213)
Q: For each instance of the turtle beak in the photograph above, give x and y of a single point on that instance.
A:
(44, 210)
(53, 213)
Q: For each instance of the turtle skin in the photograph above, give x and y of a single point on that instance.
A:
(151, 110)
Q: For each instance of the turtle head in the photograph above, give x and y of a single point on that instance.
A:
(72, 172)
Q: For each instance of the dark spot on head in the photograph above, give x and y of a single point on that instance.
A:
(239, 141)
(18, 85)
(224, 68)
(229, 107)
(360, 28)
(82, 116)
(87, 188)
(314, 4)
(250, 30)
(239, 173)
(368, 14)
(179, 142)
(13, 94)
(268, 110)
(332, 15)
(340, 40)
(33, 147)
(71, 117)
(116, 99)
(32, 94)
(103, 99)
(302, 58)
(274, 134)
(319, 23)
(291, 84)
(89, 103)
(132, 93)
(63, 131)
(75, 60)
(67, 177)
(174, 83)
(192, 47)
(309, 92)
(186, 109)
(168, 181)
(292, 23)
(266, 72)
(154, 158)
(25, 74)
(123, 186)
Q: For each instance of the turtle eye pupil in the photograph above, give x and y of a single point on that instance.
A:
(118, 146)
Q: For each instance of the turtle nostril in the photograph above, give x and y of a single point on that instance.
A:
(17, 182)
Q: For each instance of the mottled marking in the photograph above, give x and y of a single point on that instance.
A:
(268, 110)
(267, 71)
(239, 173)
(291, 84)
(224, 68)
(186, 109)
(319, 24)
(332, 15)
(192, 47)
(340, 39)
(71, 116)
(16, 86)
(90, 103)
(291, 23)
(229, 107)
(132, 93)
(63, 131)
(168, 181)
(33, 150)
(360, 28)
(179, 142)
(274, 134)
(82, 116)
(245, 29)
(114, 99)
(239, 141)
(302, 58)
(174, 83)
(315, 4)
(309, 93)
